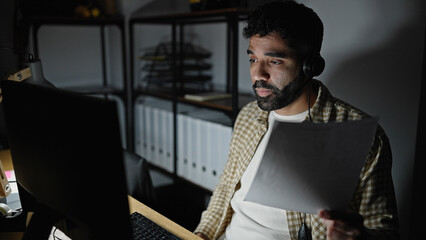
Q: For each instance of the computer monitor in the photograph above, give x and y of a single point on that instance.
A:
(67, 156)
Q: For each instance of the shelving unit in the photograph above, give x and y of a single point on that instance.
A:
(231, 17)
(101, 22)
(158, 66)
(175, 93)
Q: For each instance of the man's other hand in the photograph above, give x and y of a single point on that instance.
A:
(342, 225)
(202, 235)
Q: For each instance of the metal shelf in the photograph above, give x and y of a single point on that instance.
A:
(38, 21)
(231, 17)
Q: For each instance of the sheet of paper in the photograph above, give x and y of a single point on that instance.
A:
(311, 166)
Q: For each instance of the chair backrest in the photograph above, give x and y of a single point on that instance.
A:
(139, 183)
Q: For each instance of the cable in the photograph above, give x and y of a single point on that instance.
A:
(309, 102)
(54, 233)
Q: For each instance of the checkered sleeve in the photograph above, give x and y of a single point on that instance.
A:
(375, 197)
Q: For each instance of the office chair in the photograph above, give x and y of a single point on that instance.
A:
(139, 183)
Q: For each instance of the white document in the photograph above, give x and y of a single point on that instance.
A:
(312, 166)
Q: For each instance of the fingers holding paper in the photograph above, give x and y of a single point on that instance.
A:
(342, 225)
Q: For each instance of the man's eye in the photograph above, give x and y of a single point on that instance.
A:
(251, 60)
(276, 62)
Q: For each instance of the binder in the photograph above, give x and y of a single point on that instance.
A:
(182, 146)
(149, 134)
(140, 144)
(157, 135)
(163, 131)
(205, 154)
(206, 160)
(215, 169)
(221, 139)
(202, 145)
(179, 138)
(188, 148)
(167, 140)
(157, 127)
(212, 151)
(194, 150)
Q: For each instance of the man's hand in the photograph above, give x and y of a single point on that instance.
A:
(202, 235)
(342, 225)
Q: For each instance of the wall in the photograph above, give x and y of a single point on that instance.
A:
(373, 51)
(374, 55)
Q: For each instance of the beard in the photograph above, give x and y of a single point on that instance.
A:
(279, 98)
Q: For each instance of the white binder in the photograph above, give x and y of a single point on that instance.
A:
(149, 134)
(180, 145)
(139, 129)
(194, 150)
(168, 151)
(183, 146)
(215, 147)
(205, 154)
(156, 126)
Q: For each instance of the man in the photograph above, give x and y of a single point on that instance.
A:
(285, 42)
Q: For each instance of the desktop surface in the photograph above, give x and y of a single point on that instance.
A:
(134, 206)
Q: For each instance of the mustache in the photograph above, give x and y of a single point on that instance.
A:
(263, 84)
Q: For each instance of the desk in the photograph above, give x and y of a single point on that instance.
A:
(134, 206)
(6, 160)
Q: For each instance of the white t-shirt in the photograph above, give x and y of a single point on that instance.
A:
(253, 220)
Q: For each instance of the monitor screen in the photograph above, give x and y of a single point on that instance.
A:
(67, 155)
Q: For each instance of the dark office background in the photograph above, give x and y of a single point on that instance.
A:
(375, 60)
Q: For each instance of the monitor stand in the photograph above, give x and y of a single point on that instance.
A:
(41, 223)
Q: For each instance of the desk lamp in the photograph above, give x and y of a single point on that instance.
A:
(32, 73)
(5, 189)
(37, 76)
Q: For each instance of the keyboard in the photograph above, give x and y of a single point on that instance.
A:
(145, 229)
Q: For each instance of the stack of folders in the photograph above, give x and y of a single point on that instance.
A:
(154, 133)
(202, 147)
(203, 138)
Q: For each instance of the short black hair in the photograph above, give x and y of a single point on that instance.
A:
(299, 25)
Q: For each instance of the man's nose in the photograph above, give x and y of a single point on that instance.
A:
(260, 72)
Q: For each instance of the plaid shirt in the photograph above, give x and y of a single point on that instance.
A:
(374, 197)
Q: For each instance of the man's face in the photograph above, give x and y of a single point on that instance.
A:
(275, 72)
